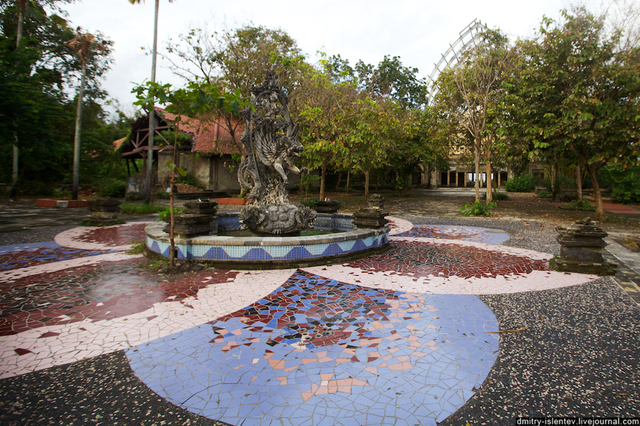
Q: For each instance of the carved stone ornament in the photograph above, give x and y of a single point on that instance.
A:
(581, 246)
(271, 140)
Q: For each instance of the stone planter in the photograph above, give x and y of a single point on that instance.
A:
(327, 206)
(104, 212)
(581, 246)
(198, 219)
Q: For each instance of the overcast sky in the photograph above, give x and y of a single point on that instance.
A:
(418, 31)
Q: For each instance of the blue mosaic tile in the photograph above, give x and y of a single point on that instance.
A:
(327, 351)
(24, 255)
(464, 233)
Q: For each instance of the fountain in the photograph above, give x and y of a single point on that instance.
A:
(271, 140)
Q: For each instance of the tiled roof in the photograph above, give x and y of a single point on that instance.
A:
(208, 136)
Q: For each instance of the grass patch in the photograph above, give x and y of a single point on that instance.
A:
(137, 248)
(579, 205)
(141, 208)
(166, 212)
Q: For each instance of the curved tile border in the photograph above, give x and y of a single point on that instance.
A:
(257, 249)
(316, 349)
(74, 237)
(74, 341)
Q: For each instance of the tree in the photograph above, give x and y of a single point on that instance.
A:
(235, 60)
(83, 45)
(195, 99)
(323, 109)
(26, 9)
(470, 93)
(576, 95)
(36, 80)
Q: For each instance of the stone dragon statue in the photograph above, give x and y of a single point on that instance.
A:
(271, 140)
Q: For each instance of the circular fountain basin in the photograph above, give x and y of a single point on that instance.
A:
(268, 252)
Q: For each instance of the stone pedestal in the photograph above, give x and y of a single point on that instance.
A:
(327, 206)
(581, 246)
(282, 219)
(373, 216)
(104, 212)
(198, 219)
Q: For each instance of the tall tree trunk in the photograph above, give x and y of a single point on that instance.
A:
(154, 56)
(76, 140)
(323, 177)
(22, 5)
(366, 185)
(347, 186)
(477, 170)
(172, 223)
(579, 182)
(596, 193)
(339, 181)
(489, 184)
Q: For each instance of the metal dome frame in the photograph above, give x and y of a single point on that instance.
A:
(468, 36)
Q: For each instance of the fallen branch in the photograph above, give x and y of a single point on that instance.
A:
(510, 331)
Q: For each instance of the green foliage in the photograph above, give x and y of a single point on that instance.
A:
(573, 92)
(37, 107)
(167, 212)
(579, 205)
(137, 248)
(141, 208)
(544, 194)
(310, 202)
(627, 183)
(525, 183)
(497, 196)
(308, 182)
(111, 188)
(189, 179)
(477, 209)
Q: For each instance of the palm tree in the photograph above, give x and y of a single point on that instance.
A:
(154, 56)
(83, 45)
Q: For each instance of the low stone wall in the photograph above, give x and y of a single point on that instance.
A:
(274, 252)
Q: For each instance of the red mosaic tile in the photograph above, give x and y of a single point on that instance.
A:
(93, 292)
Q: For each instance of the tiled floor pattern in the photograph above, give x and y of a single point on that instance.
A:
(112, 291)
(333, 370)
(119, 237)
(316, 349)
(621, 208)
(25, 255)
(465, 233)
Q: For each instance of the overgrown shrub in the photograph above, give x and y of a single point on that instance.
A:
(477, 209)
(525, 183)
(497, 196)
(311, 203)
(627, 184)
(167, 212)
(112, 188)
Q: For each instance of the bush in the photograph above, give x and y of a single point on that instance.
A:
(167, 212)
(543, 194)
(141, 208)
(114, 189)
(579, 205)
(477, 209)
(526, 183)
(497, 196)
(311, 202)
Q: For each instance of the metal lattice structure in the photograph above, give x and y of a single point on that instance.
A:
(468, 37)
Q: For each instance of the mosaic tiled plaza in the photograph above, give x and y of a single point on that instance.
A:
(455, 323)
